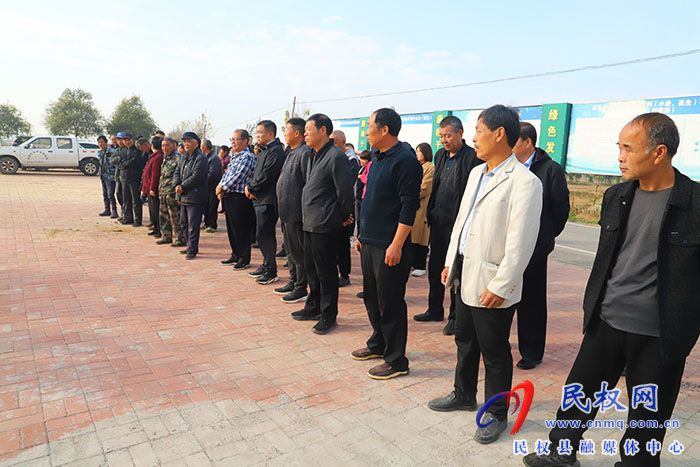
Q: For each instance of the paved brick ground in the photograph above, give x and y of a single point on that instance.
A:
(116, 351)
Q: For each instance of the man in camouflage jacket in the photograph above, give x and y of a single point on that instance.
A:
(169, 206)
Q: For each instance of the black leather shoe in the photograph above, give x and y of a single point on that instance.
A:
(449, 328)
(105, 213)
(490, 432)
(451, 402)
(428, 316)
(553, 460)
(114, 215)
(285, 289)
(230, 260)
(528, 364)
(241, 264)
(343, 281)
(301, 315)
(138, 224)
(183, 252)
(191, 256)
(360, 294)
(324, 328)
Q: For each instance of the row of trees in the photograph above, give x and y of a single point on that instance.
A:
(75, 113)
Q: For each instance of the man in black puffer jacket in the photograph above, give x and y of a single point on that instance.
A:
(190, 182)
(131, 164)
(262, 191)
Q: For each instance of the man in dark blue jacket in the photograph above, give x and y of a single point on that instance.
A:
(214, 173)
(131, 164)
(261, 190)
(388, 211)
(327, 203)
(190, 182)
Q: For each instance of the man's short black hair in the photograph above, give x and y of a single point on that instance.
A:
(660, 129)
(350, 145)
(298, 124)
(322, 120)
(140, 141)
(224, 148)
(452, 121)
(157, 143)
(389, 118)
(528, 131)
(244, 134)
(498, 116)
(268, 125)
(102, 137)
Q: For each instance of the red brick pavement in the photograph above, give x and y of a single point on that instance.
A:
(98, 322)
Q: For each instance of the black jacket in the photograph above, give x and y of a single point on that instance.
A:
(291, 183)
(131, 164)
(555, 202)
(191, 175)
(678, 257)
(327, 199)
(465, 161)
(214, 172)
(268, 165)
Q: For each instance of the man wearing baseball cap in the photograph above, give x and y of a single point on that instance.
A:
(190, 182)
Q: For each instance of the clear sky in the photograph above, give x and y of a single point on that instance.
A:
(235, 61)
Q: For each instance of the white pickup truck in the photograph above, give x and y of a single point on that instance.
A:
(50, 152)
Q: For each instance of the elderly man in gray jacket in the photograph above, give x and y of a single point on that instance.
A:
(190, 182)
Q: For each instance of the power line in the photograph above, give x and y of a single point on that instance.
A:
(479, 83)
(512, 78)
(258, 117)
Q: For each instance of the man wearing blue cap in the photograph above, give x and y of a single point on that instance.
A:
(190, 182)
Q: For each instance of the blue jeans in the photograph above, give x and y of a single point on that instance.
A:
(110, 201)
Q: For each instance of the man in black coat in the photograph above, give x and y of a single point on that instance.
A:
(641, 302)
(532, 309)
(214, 173)
(453, 162)
(131, 164)
(327, 203)
(261, 190)
(190, 182)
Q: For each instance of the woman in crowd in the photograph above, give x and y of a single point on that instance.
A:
(420, 233)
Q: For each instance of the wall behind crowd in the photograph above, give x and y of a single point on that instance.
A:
(581, 137)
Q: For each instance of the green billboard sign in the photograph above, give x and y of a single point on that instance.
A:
(554, 130)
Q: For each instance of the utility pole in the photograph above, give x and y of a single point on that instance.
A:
(294, 104)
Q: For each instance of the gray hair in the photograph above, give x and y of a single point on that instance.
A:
(207, 144)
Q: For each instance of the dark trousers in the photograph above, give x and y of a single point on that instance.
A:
(118, 194)
(211, 213)
(384, 296)
(420, 255)
(133, 208)
(240, 216)
(108, 187)
(154, 212)
(294, 244)
(322, 275)
(439, 241)
(603, 354)
(483, 332)
(266, 218)
(532, 311)
(190, 220)
(343, 250)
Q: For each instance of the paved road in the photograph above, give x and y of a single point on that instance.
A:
(577, 245)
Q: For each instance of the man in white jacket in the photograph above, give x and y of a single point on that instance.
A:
(491, 244)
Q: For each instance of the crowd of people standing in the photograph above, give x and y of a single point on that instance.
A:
(490, 250)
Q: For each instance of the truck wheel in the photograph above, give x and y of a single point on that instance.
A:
(89, 167)
(8, 165)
